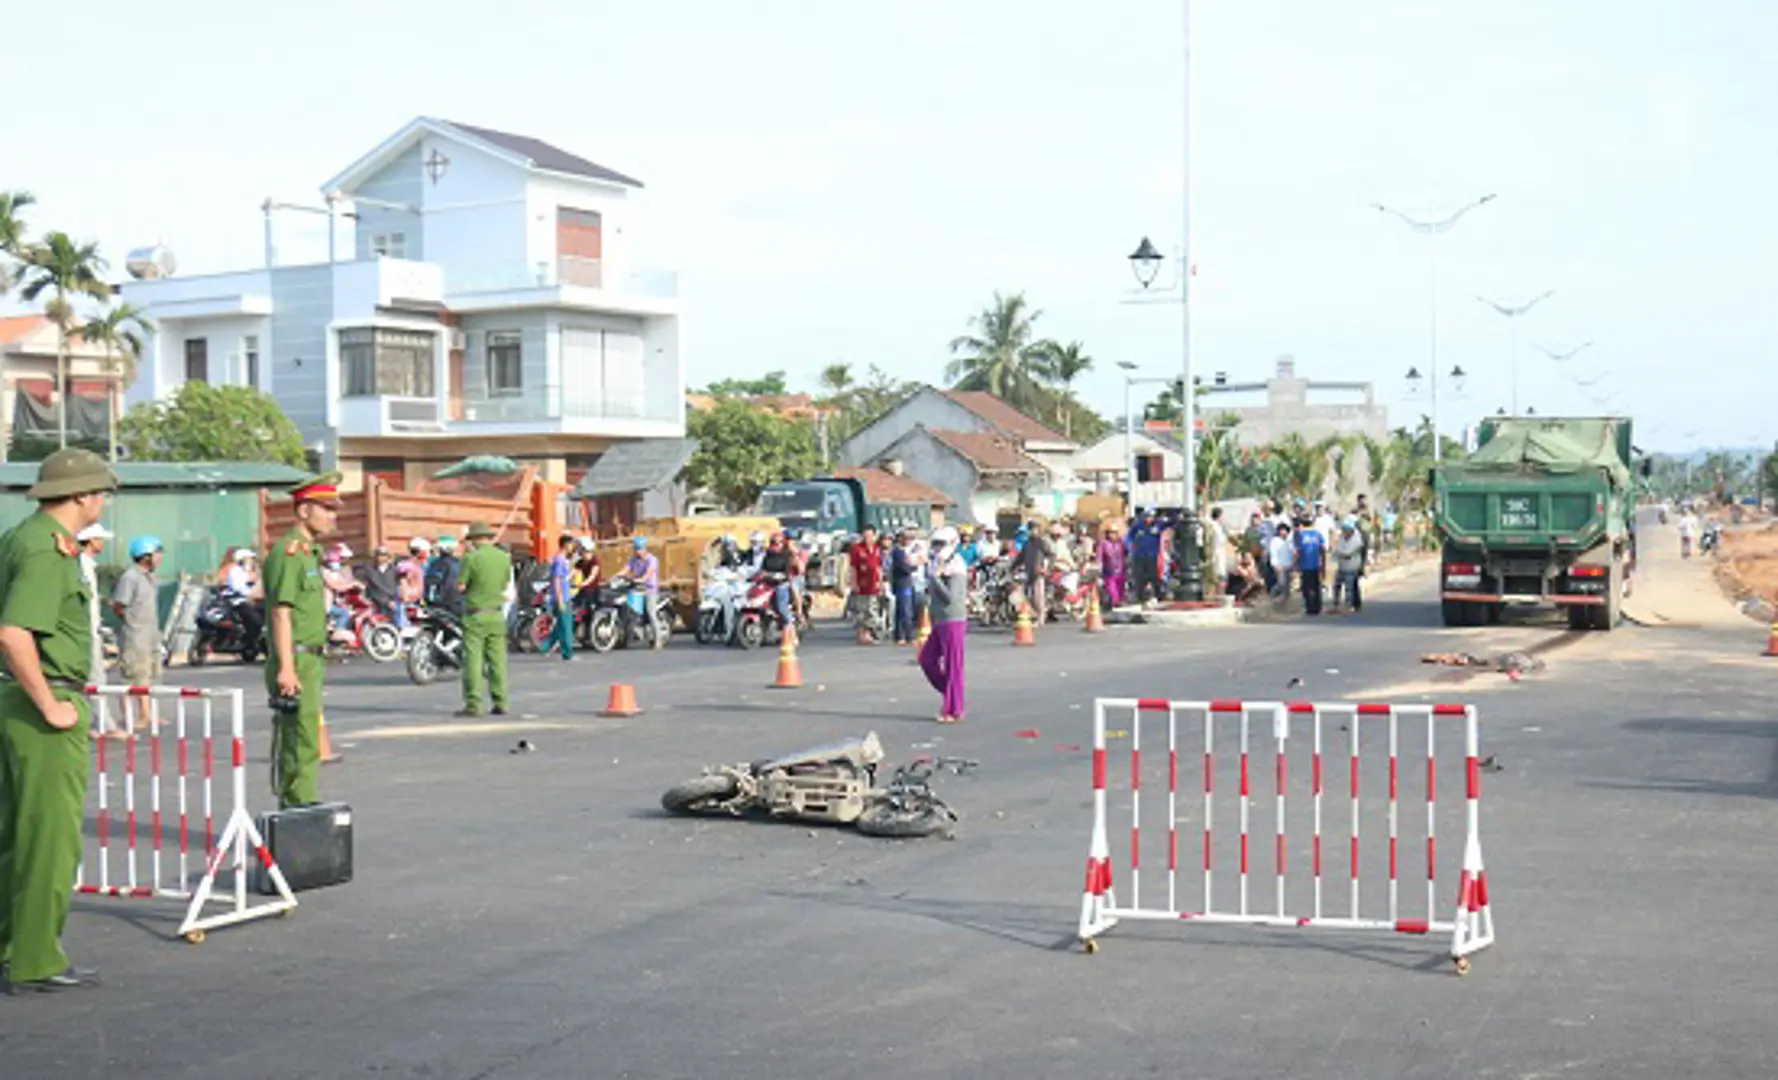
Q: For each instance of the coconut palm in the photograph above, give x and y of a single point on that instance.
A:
(12, 231)
(1062, 364)
(70, 271)
(1001, 354)
(120, 331)
(837, 378)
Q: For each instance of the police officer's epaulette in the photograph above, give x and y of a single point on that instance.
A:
(296, 547)
(67, 546)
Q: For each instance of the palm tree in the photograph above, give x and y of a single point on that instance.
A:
(70, 270)
(119, 331)
(1063, 364)
(1001, 354)
(12, 230)
(837, 378)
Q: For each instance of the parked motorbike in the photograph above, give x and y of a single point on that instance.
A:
(1067, 595)
(719, 607)
(992, 601)
(522, 632)
(618, 621)
(834, 784)
(437, 646)
(222, 629)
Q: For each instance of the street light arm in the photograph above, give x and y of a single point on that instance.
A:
(1434, 225)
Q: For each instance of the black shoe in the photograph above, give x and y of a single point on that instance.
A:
(467, 713)
(499, 710)
(72, 979)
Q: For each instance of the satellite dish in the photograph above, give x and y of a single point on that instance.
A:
(148, 263)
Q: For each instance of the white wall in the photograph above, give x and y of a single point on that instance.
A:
(475, 219)
(546, 193)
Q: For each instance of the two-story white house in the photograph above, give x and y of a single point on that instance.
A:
(493, 303)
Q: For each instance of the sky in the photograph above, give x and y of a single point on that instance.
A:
(849, 182)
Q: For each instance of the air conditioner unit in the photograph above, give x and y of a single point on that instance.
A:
(459, 340)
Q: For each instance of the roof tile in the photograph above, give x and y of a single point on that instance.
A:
(1005, 417)
(989, 452)
(883, 486)
(545, 156)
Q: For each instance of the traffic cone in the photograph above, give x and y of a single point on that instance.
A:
(328, 757)
(1772, 641)
(790, 670)
(621, 701)
(1095, 622)
(1023, 632)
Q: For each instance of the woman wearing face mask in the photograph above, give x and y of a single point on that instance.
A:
(941, 658)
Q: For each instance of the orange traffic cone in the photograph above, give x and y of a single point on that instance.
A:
(621, 701)
(328, 757)
(1772, 641)
(1023, 631)
(1095, 622)
(790, 670)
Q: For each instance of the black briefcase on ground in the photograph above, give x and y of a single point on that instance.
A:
(312, 845)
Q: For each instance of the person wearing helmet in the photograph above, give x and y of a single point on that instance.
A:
(340, 586)
(586, 567)
(1348, 556)
(136, 603)
(411, 571)
(941, 658)
(644, 567)
(241, 589)
(730, 556)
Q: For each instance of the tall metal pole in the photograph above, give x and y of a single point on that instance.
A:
(1189, 409)
(1512, 339)
(1431, 229)
(1129, 449)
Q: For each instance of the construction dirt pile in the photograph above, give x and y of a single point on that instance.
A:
(1748, 566)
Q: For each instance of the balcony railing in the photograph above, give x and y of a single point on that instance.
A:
(388, 415)
(552, 404)
(582, 273)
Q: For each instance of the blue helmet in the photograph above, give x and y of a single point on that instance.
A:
(640, 543)
(144, 545)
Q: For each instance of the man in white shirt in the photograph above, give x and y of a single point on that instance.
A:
(239, 586)
(1688, 533)
(1283, 556)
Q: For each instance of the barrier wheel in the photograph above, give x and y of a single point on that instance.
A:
(194, 937)
(1090, 945)
(1462, 964)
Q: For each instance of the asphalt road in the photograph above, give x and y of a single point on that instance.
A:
(534, 915)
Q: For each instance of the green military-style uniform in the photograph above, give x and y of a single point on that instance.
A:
(292, 579)
(43, 770)
(484, 578)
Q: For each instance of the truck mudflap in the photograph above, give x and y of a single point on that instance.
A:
(1559, 599)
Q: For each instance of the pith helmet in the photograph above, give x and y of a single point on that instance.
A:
(70, 472)
(481, 530)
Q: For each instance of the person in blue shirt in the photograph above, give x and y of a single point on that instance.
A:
(561, 607)
(1145, 558)
(1311, 560)
(901, 583)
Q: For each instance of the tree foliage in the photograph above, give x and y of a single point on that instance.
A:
(12, 233)
(212, 423)
(742, 449)
(772, 382)
(1001, 353)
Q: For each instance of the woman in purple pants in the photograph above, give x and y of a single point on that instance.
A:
(1112, 563)
(948, 600)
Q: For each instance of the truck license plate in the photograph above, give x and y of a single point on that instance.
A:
(1518, 513)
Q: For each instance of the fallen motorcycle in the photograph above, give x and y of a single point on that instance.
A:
(833, 784)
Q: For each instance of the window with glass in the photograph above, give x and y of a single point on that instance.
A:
(506, 363)
(392, 244)
(250, 358)
(378, 362)
(197, 360)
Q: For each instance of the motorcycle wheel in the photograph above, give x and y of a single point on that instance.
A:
(199, 653)
(250, 654)
(657, 632)
(881, 819)
(603, 631)
(382, 643)
(539, 631)
(699, 796)
(422, 659)
(705, 631)
(751, 634)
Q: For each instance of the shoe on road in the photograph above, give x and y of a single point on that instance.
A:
(72, 979)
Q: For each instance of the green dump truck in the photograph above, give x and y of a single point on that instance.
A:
(1543, 512)
(827, 511)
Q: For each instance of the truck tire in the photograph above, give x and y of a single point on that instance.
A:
(1613, 611)
(1580, 618)
(1455, 613)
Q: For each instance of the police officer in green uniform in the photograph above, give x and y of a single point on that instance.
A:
(484, 579)
(46, 645)
(296, 628)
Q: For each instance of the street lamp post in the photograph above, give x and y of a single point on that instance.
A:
(1129, 437)
(1431, 229)
(1512, 314)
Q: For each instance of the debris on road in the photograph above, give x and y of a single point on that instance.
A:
(1491, 763)
(1453, 659)
(525, 746)
(1027, 733)
(1512, 664)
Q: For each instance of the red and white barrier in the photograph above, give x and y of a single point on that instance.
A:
(1299, 900)
(177, 749)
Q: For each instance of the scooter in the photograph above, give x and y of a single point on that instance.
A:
(719, 607)
(221, 628)
(760, 622)
(368, 630)
(437, 646)
(1712, 538)
(622, 615)
(1068, 595)
(835, 784)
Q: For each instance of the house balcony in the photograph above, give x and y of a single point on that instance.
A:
(552, 410)
(575, 284)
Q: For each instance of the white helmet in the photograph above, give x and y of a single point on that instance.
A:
(242, 554)
(584, 543)
(419, 545)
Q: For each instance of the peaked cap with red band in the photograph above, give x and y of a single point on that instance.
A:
(323, 488)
